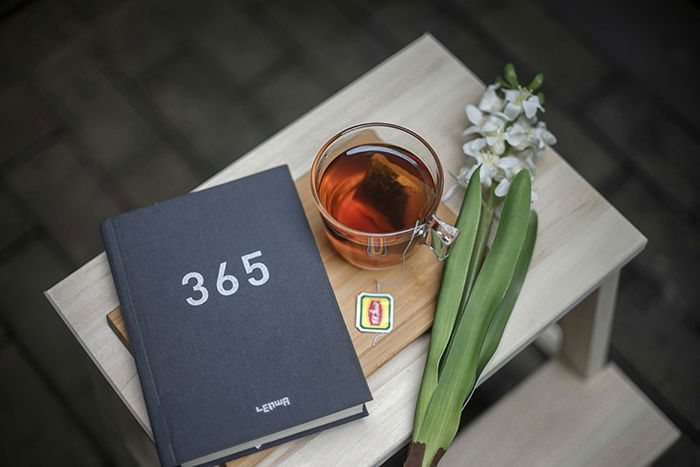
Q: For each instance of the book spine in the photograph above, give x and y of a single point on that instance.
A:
(159, 425)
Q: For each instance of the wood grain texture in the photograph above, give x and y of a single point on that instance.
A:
(115, 319)
(586, 329)
(581, 240)
(414, 296)
(556, 418)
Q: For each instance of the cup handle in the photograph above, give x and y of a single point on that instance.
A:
(440, 237)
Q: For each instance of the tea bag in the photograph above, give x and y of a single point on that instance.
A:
(389, 188)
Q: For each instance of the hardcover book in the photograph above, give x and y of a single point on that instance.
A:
(238, 340)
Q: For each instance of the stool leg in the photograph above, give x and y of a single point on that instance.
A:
(587, 328)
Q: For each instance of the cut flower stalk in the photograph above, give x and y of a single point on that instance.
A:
(508, 138)
(439, 425)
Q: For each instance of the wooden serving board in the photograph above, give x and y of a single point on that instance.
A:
(414, 298)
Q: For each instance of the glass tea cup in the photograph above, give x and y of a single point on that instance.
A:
(377, 187)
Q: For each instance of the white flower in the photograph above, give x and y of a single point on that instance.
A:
(476, 117)
(493, 167)
(528, 157)
(473, 148)
(498, 121)
(543, 136)
(522, 134)
(517, 135)
(511, 165)
(490, 127)
(519, 101)
(463, 175)
(503, 186)
(490, 102)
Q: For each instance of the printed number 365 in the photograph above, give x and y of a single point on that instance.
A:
(227, 284)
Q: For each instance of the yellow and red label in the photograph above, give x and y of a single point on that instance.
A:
(376, 246)
(375, 312)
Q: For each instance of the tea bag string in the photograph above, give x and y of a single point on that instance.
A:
(416, 230)
(414, 234)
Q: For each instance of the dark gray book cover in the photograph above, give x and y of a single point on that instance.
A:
(234, 326)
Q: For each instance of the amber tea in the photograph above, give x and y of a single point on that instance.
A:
(376, 189)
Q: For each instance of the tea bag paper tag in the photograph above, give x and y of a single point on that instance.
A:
(374, 312)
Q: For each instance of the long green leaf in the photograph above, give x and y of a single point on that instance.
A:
(482, 236)
(502, 314)
(454, 275)
(459, 375)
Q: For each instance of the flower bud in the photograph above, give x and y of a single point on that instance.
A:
(536, 82)
(510, 75)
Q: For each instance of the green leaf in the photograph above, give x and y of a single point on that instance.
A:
(536, 82)
(502, 314)
(503, 83)
(454, 276)
(510, 75)
(482, 237)
(477, 258)
(439, 427)
(540, 96)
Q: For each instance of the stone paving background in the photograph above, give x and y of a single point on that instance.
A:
(107, 106)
